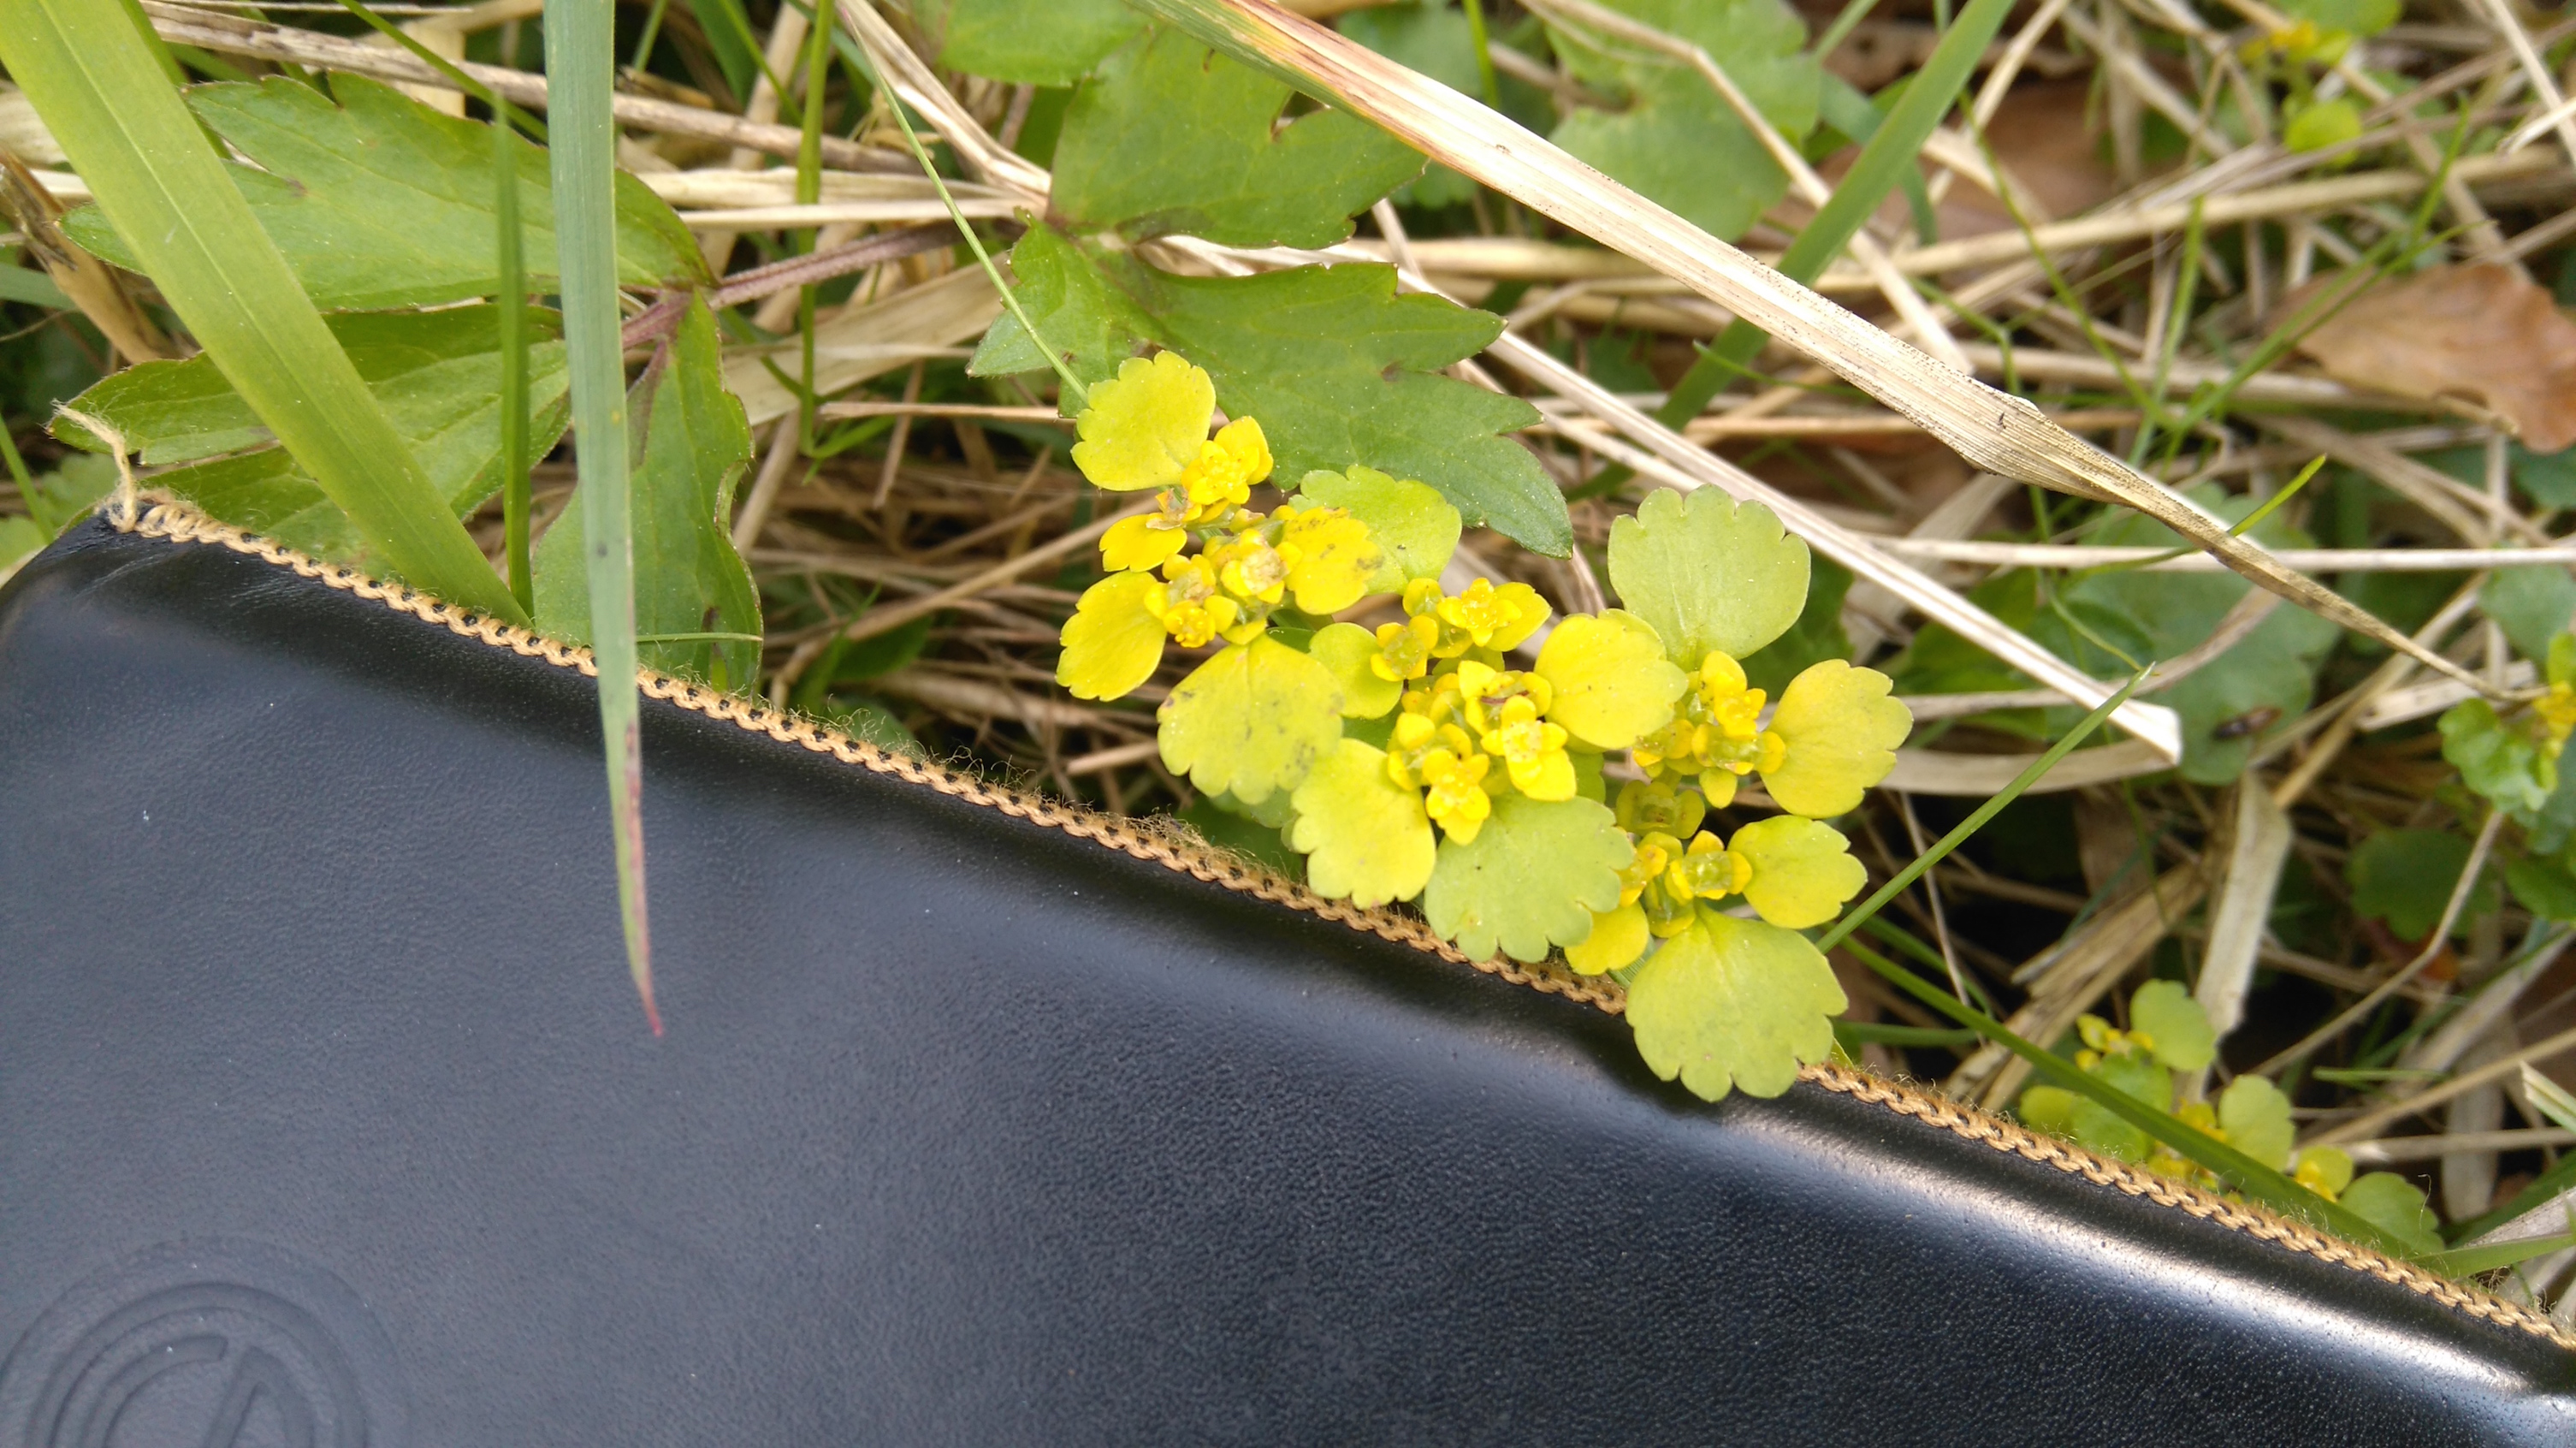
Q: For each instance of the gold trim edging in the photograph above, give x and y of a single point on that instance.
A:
(168, 518)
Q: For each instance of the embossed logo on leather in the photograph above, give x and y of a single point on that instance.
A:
(204, 1344)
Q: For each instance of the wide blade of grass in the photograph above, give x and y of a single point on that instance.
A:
(581, 65)
(106, 99)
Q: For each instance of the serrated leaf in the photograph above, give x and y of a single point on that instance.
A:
(2505, 760)
(1802, 871)
(1609, 677)
(1028, 42)
(2256, 1117)
(1169, 136)
(1337, 368)
(2392, 1204)
(1251, 720)
(1840, 730)
(1709, 574)
(1410, 520)
(380, 201)
(1346, 648)
(2405, 877)
(1533, 878)
(1734, 1003)
(691, 445)
(1676, 140)
(1366, 838)
(436, 375)
(2175, 1023)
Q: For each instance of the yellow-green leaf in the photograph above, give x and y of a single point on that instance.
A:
(1410, 521)
(2174, 1024)
(1802, 871)
(1708, 573)
(2256, 1117)
(1145, 425)
(1114, 640)
(1533, 877)
(1365, 837)
(1346, 648)
(1617, 939)
(1731, 1003)
(2393, 1204)
(1840, 730)
(1252, 720)
(1611, 681)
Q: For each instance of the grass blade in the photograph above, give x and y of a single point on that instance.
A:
(1887, 157)
(513, 297)
(159, 181)
(581, 63)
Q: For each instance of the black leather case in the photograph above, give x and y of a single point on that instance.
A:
(328, 1118)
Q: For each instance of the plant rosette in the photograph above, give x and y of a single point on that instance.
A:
(1429, 756)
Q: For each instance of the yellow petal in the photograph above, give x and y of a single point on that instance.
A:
(1611, 682)
(1347, 649)
(1802, 871)
(1136, 545)
(1114, 639)
(1550, 776)
(1243, 442)
(1840, 731)
(1145, 426)
(1616, 939)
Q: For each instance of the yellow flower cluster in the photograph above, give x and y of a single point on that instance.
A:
(1458, 724)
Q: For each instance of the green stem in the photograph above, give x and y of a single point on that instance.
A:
(513, 299)
(1485, 77)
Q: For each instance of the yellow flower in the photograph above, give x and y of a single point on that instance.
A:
(1532, 751)
(1330, 558)
(1494, 618)
(1483, 690)
(1660, 808)
(1195, 612)
(1141, 544)
(1793, 872)
(1404, 649)
(1250, 569)
(1717, 735)
(2557, 711)
(1221, 476)
(1115, 637)
(1706, 871)
(1143, 429)
(1437, 700)
(1457, 800)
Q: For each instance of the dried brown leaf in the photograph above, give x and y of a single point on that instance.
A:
(2480, 333)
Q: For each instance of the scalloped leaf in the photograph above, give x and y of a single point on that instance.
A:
(1841, 731)
(2393, 1204)
(1709, 574)
(2256, 1117)
(1252, 720)
(1114, 641)
(1611, 681)
(1533, 877)
(1366, 838)
(1410, 520)
(1346, 648)
(2176, 1024)
(1802, 871)
(1734, 1003)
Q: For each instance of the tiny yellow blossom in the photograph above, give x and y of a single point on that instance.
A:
(1495, 618)
(1220, 478)
(1404, 649)
(1707, 871)
(1330, 558)
(2557, 712)
(1532, 751)
(1195, 611)
(1483, 690)
(1457, 801)
(1250, 569)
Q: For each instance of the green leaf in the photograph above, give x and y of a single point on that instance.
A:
(1249, 837)
(2531, 605)
(2405, 877)
(20, 539)
(2392, 1204)
(2098, 1128)
(1338, 369)
(1841, 731)
(1433, 38)
(1677, 141)
(870, 722)
(1708, 574)
(2543, 886)
(95, 82)
(435, 374)
(1251, 720)
(1346, 648)
(1802, 871)
(1411, 521)
(2048, 1108)
(1534, 877)
(2319, 124)
(1028, 42)
(1171, 137)
(380, 201)
(1731, 1003)
(2180, 1029)
(1365, 837)
(690, 443)
(2256, 1117)
(2505, 760)
(65, 496)
(2362, 18)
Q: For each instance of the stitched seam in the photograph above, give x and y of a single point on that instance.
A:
(176, 521)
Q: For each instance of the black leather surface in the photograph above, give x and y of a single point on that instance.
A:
(327, 1117)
